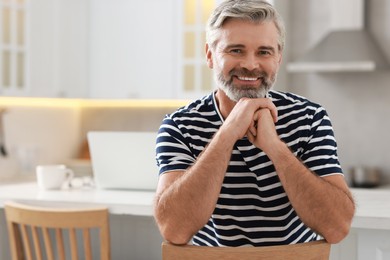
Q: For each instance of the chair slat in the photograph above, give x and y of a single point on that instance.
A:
(26, 242)
(87, 244)
(73, 243)
(36, 243)
(60, 244)
(47, 244)
(15, 241)
(104, 240)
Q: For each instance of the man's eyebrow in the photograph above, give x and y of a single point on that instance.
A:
(230, 46)
(243, 46)
(270, 48)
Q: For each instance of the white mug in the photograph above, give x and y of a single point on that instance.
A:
(50, 177)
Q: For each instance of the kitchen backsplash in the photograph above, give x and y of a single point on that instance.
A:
(35, 135)
(48, 135)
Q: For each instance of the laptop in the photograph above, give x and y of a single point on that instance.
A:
(123, 160)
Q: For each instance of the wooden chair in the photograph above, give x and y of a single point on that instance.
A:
(318, 250)
(35, 230)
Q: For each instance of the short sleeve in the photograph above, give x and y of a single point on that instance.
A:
(320, 152)
(172, 151)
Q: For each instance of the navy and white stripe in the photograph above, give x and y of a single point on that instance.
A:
(252, 208)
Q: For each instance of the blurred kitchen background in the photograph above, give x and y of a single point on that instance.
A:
(70, 66)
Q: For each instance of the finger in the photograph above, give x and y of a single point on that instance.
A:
(274, 114)
(252, 129)
(265, 113)
(250, 136)
(274, 111)
(267, 103)
(253, 125)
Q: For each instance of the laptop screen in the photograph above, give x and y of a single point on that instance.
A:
(123, 160)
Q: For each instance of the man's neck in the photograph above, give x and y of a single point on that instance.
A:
(224, 103)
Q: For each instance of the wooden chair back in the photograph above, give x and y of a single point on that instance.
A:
(318, 250)
(53, 233)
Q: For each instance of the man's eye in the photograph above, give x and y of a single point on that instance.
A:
(264, 52)
(236, 51)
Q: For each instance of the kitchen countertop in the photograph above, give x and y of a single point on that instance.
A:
(123, 202)
(372, 208)
(372, 205)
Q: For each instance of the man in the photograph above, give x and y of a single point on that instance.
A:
(247, 165)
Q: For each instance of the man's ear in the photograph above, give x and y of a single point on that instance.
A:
(280, 58)
(209, 56)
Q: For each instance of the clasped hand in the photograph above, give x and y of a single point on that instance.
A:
(254, 118)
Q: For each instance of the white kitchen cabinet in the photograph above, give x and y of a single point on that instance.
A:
(369, 237)
(363, 244)
(346, 249)
(58, 46)
(149, 49)
(194, 78)
(98, 49)
(132, 48)
(373, 244)
(72, 35)
(115, 49)
(13, 46)
(54, 48)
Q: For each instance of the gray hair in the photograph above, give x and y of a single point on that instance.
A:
(252, 10)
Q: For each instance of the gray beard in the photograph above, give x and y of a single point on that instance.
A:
(236, 93)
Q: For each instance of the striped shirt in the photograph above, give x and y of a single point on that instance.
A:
(252, 208)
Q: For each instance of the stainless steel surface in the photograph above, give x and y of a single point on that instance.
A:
(365, 177)
(353, 50)
(348, 46)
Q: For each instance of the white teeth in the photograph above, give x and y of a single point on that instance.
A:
(245, 78)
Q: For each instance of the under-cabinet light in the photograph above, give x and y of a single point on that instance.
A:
(62, 102)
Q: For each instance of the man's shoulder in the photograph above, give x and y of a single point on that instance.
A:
(195, 108)
(199, 117)
(281, 98)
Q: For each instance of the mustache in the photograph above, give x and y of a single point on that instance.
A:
(243, 72)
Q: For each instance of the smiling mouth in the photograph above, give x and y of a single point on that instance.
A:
(248, 78)
(250, 81)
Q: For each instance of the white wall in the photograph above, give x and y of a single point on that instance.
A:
(38, 135)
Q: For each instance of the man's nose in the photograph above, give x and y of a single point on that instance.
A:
(250, 62)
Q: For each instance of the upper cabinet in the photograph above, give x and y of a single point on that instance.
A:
(194, 77)
(104, 48)
(132, 48)
(43, 48)
(13, 46)
(149, 48)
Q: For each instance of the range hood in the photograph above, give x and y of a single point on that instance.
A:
(347, 48)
